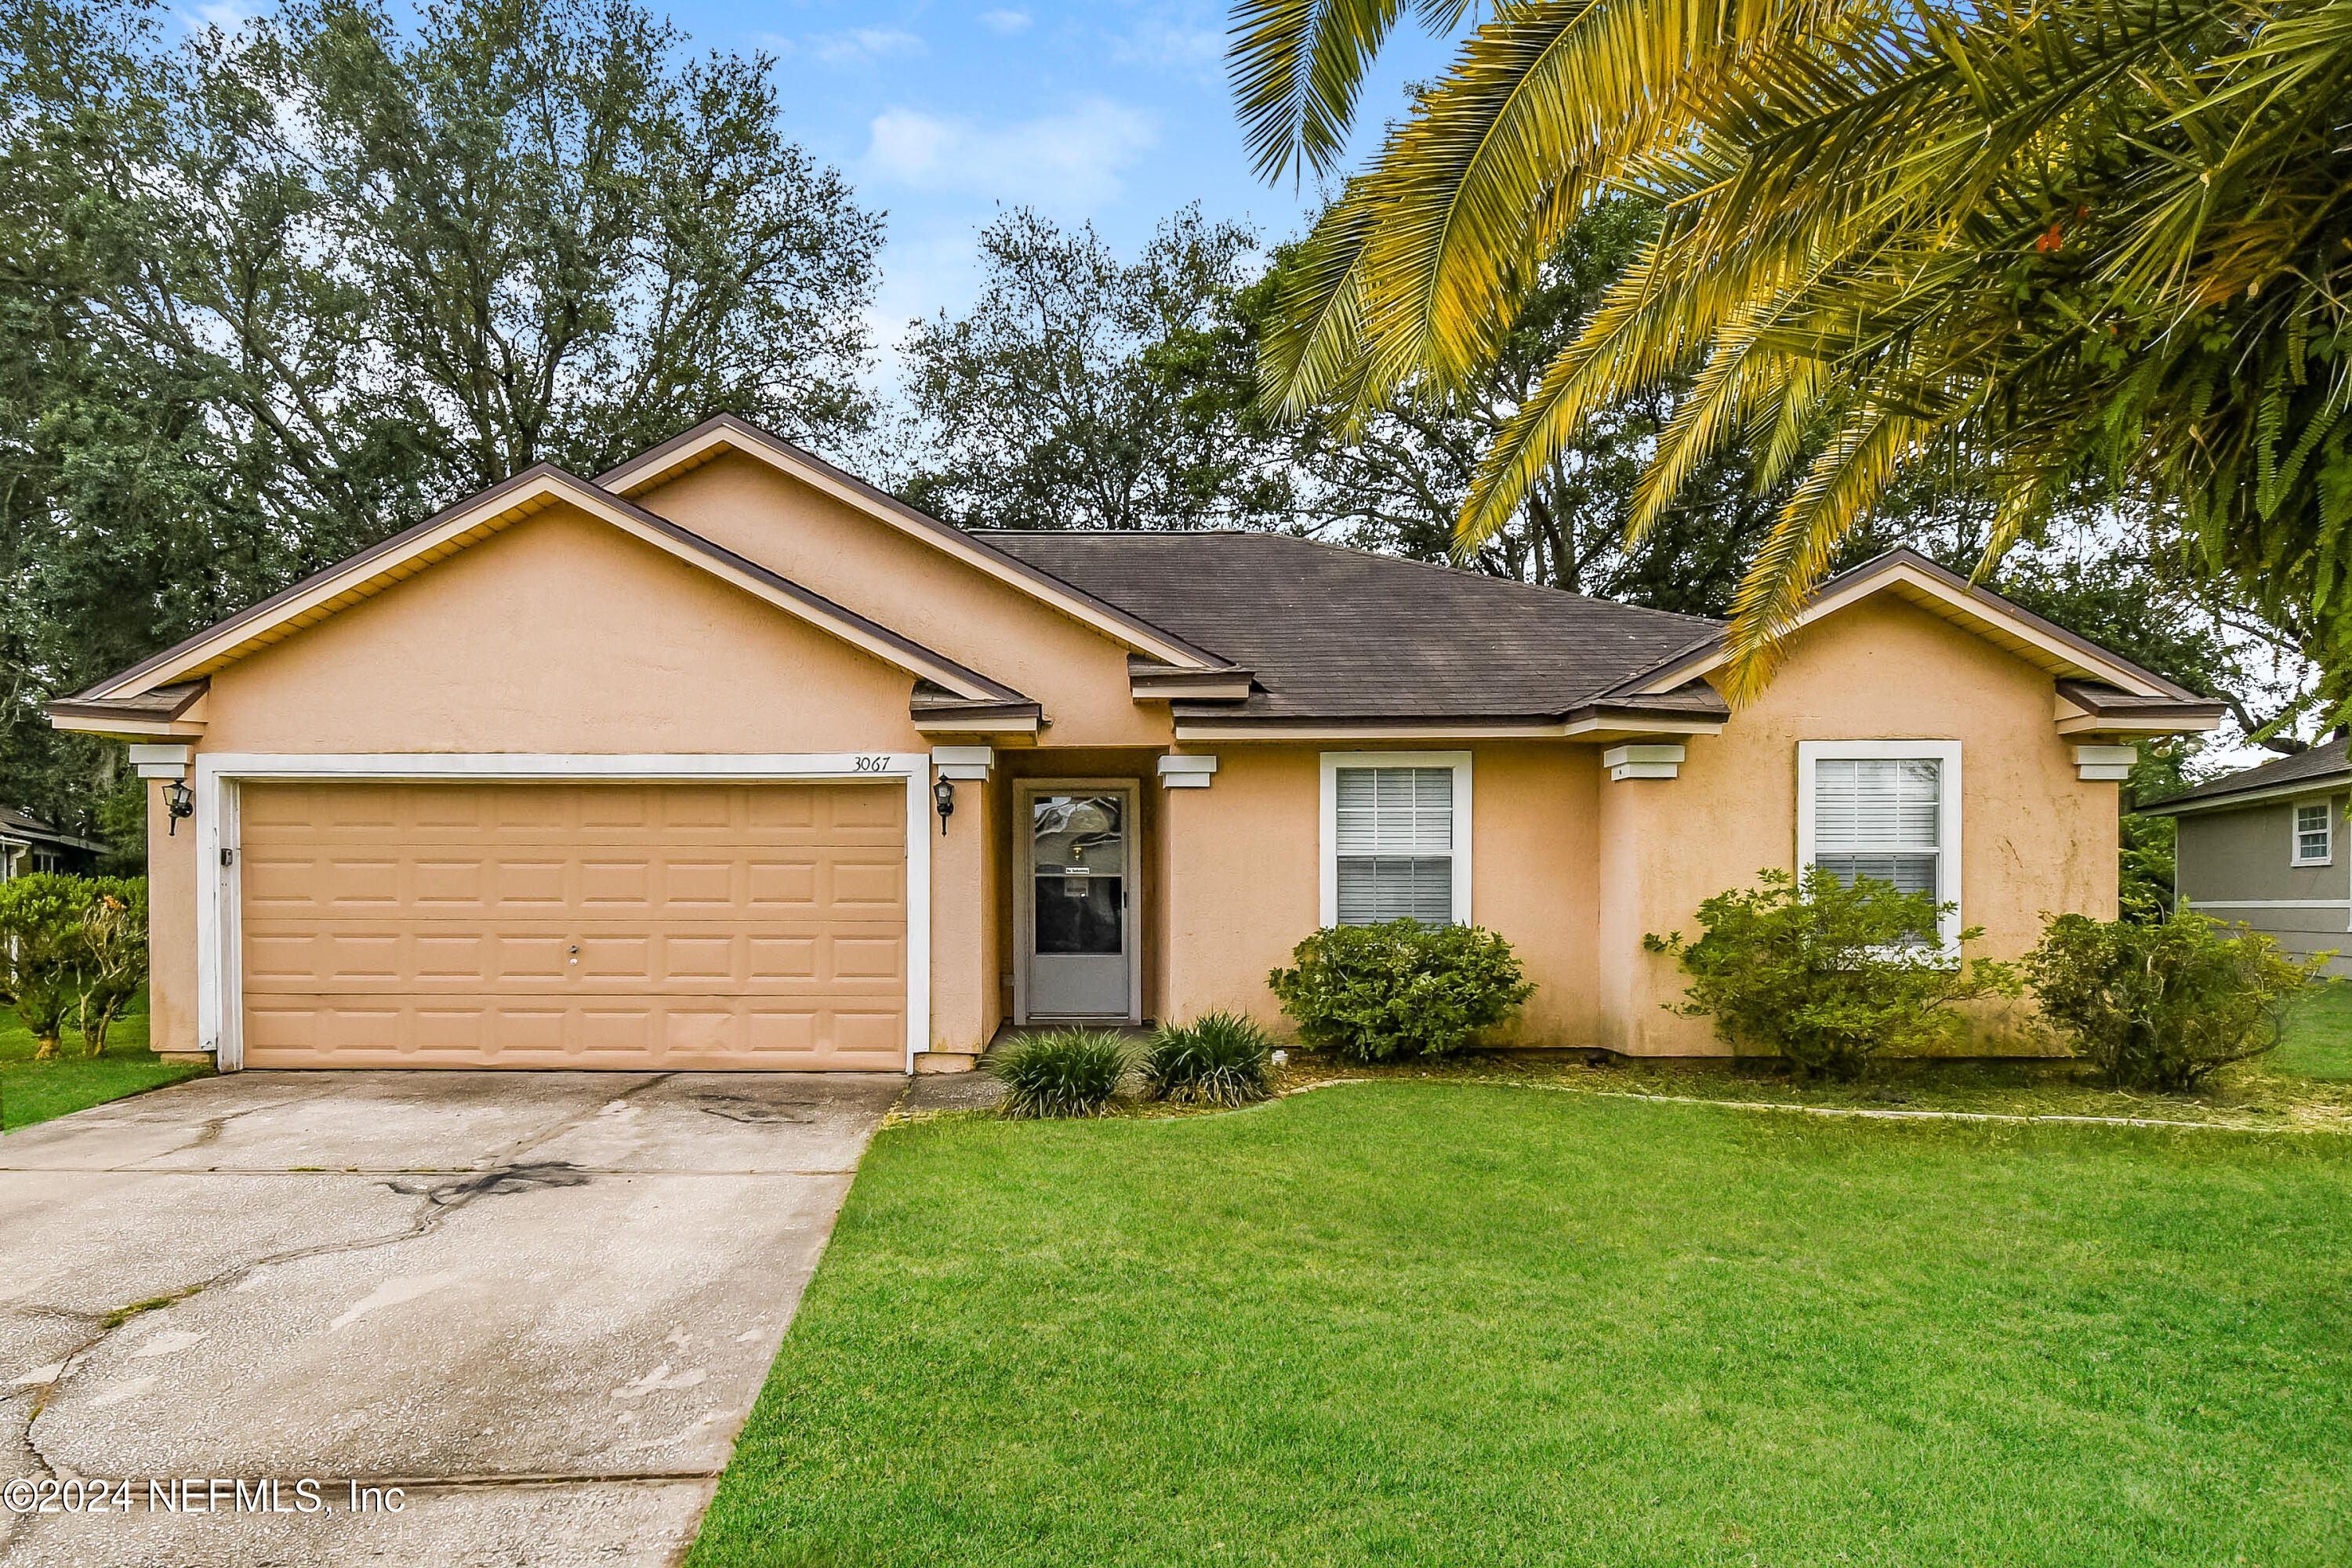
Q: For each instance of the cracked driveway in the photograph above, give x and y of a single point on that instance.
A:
(538, 1303)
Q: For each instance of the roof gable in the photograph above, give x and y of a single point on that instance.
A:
(1919, 581)
(726, 433)
(479, 517)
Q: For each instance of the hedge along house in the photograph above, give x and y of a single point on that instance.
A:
(2266, 846)
(726, 760)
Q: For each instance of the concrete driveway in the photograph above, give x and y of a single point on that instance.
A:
(539, 1304)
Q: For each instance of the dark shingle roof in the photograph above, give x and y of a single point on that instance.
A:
(2322, 763)
(1333, 633)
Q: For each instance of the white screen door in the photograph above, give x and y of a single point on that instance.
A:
(1078, 928)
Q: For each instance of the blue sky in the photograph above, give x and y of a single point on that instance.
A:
(1114, 113)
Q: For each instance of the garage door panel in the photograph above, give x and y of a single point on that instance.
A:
(438, 925)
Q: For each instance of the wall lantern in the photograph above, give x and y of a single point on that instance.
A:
(943, 796)
(180, 801)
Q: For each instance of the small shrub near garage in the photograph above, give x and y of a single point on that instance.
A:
(1377, 993)
(71, 948)
(2163, 1004)
(1828, 976)
(1218, 1059)
(1061, 1072)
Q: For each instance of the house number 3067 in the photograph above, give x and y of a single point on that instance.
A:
(872, 764)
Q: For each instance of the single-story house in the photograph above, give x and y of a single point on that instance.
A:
(29, 844)
(725, 759)
(2266, 846)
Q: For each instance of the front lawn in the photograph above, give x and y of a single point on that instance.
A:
(33, 1091)
(1464, 1323)
(2318, 1041)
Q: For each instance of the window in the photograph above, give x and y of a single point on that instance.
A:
(2315, 841)
(1396, 837)
(1884, 809)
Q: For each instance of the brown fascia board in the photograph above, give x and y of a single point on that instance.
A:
(537, 474)
(933, 708)
(1148, 678)
(648, 463)
(1903, 555)
(2102, 701)
(161, 705)
(1654, 708)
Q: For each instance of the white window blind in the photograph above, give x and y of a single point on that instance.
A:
(1395, 842)
(1880, 817)
(2311, 835)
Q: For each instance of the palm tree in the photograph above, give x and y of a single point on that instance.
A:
(2093, 237)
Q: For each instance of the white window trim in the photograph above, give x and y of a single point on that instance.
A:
(1948, 864)
(2295, 832)
(220, 979)
(1334, 760)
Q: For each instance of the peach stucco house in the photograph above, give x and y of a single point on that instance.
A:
(649, 771)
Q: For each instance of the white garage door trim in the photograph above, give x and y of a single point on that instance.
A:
(220, 981)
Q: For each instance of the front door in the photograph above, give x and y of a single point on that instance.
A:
(1077, 922)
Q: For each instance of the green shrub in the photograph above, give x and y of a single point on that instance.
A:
(1403, 989)
(71, 947)
(40, 952)
(2160, 1004)
(1061, 1072)
(1828, 976)
(1218, 1059)
(113, 955)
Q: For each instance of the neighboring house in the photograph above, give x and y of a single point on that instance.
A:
(648, 771)
(2266, 846)
(27, 845)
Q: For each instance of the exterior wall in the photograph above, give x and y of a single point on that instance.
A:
(2034, 836)
(560, 634)
(2238, 866)
(1079, 675)
(1243, 879)
(170, 929)
(963, 977)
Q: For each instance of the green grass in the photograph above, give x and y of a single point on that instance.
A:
(33, 1091)
(1452, 1323)
(2318, 1043)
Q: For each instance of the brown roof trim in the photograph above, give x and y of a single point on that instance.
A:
(1904, 557)
(544, 478)
(931, 707)
(160, 706)
(647, 466)
(1609, 707)
(2102, 700)
(1149, 678)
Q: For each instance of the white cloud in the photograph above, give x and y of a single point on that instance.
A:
(863, 45)
(1167, 45)
(1063, 161)
(1004, 22)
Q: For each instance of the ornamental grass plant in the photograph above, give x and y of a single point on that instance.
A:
(1061, 1072)
(1218, 1059)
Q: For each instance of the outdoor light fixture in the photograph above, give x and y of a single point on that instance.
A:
(943, 796)
(180, 801)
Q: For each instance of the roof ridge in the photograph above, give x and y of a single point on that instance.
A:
(1462, 574)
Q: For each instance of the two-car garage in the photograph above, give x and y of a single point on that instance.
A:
(615, 924)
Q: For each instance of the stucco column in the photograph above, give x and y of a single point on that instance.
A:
(1653, 837)
(171, 929)
(963, 938)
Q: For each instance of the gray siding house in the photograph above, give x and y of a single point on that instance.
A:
(2266, 846)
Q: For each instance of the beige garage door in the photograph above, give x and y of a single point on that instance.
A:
(624, 926)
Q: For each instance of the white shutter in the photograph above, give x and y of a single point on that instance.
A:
(1880, 817)
(1395, 845)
